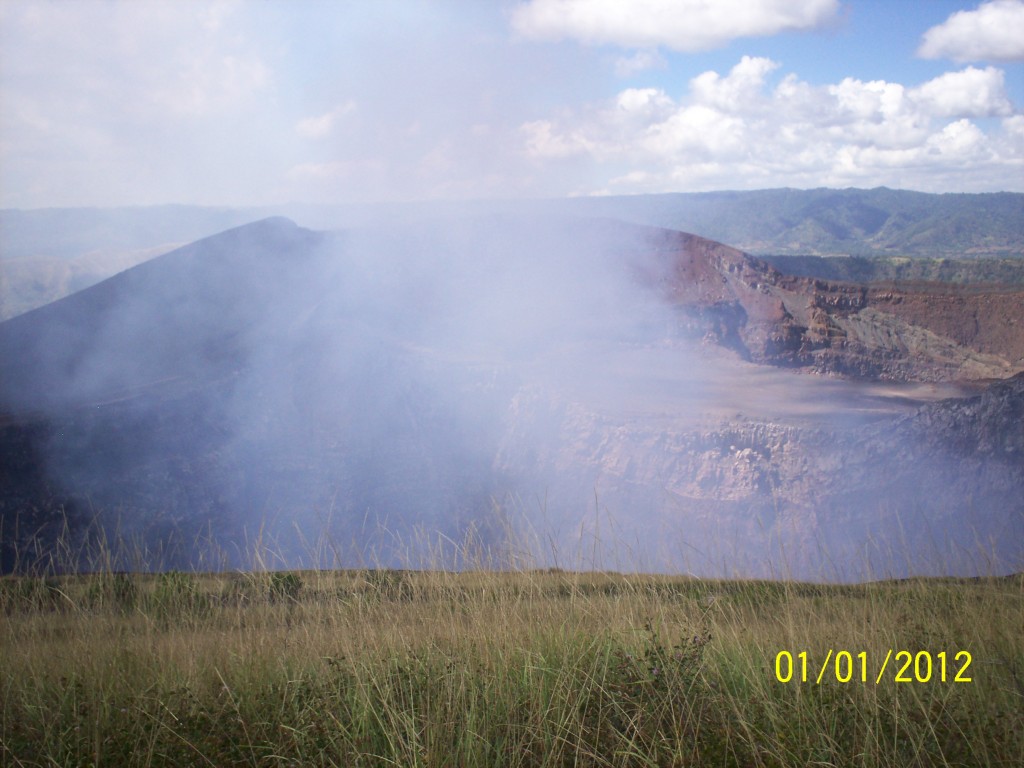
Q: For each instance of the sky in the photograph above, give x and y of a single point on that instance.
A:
(267, 102)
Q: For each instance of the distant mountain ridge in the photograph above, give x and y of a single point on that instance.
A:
(859, 222)
(47, 253)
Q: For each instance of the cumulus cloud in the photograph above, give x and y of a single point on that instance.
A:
(682, 25)
(968, 93)
(255, 103)
(645, 104)
(961, 140)
(995, 31)
(738, 131)
(738, 90)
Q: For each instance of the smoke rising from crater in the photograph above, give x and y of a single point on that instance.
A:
(351, 388)
(379, 395)
(393, 366)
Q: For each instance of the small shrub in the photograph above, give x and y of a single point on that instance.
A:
(389, 584)
(112, 589)
(659, 669)
(285, 586)
(239, 589)
(30, 593)
(178, 593)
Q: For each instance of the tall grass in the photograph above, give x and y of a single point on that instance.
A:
(486, 667)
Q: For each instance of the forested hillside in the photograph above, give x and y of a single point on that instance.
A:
(836, 221)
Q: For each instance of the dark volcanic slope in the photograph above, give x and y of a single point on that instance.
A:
(338, 396)
(990, 424)
(175, 317)
(52, 252)
(114, 402)
(273, 378)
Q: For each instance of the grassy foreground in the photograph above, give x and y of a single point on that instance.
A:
(385, 668)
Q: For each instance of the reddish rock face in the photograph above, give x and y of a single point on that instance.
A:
(899, 332)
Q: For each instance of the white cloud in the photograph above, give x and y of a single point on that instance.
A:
(697, 132)
(735, 131)
(682, 25)
(1013, 132)
(323, 125)
(875, 100)
(1010, 143)
(962, 139)
(643, 103)
(123, 102)
(968, 93)
(739, 89)
(995, 31)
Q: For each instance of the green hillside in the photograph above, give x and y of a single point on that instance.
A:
(831, 221)
(874, 269)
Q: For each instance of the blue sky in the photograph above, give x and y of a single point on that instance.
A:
(241, 102)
